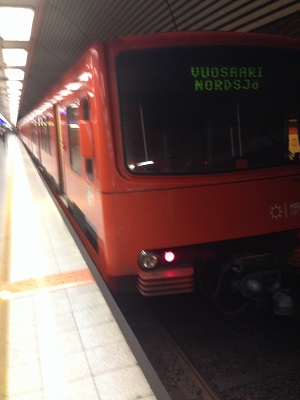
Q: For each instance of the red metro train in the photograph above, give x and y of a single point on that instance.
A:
(178, 156)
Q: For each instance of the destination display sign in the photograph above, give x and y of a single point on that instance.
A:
(226, 78)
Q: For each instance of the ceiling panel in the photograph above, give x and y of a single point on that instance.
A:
(63, 29)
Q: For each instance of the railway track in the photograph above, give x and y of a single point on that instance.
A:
(181, 378)
(201, 355)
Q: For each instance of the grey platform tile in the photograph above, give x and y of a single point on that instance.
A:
(24, 272)
(84, 389)
(93, 316)
(23, 332)
(71, 265)
(45, 268)
(75, 292)
(110, 358)
(101, 335)
(22, 353)
(52, 302)
(68, 252)
(39, 395)
(25, 378)
(65, 244)
(53, 323)
(56, 371)
(59, 344)
(86, 301)
(21, 309)
(128, 384)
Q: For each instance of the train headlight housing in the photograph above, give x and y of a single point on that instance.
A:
(148, 259)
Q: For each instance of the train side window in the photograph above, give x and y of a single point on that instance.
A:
(89, 162)
(34, 133)
(73, 133)
(46, 134)
(89, 169)
(49, 127)
(85, 109)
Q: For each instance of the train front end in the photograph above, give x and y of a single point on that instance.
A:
(208, 159)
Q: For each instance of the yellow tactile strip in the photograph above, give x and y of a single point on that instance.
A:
(9, 290)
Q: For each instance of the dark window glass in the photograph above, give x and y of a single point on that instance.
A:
(89, 162)
(73, 132)
(34, 129)
(85, 109)
(49, 127)
(43, 133)
(207, 109)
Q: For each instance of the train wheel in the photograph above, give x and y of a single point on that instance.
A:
(216, 283)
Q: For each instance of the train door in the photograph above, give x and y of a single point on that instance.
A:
(67, 115)
(60, 149)
(86, 139)
(76, 146)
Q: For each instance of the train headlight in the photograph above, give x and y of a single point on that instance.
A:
(148, 259)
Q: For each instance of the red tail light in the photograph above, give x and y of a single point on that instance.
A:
(169, 256)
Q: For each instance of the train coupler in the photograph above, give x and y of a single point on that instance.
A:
(258, 278)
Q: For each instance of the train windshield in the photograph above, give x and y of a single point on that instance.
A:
(209, 109)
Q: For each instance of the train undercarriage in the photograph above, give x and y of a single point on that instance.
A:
(232, 279)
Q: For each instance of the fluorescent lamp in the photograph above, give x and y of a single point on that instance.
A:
(14, 96)
(14, 57)
(14, 84)
(16, 23)
(14, 91)
(14, 74)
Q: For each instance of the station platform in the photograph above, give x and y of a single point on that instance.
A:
(62, 335)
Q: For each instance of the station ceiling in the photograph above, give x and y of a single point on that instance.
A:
(63, 29)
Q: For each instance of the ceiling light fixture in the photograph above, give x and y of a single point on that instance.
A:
(15, 57)
(14, 74)
(16, 23)
(16, 26)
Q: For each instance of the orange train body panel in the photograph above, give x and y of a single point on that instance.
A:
(113, 154)
(168, 218)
